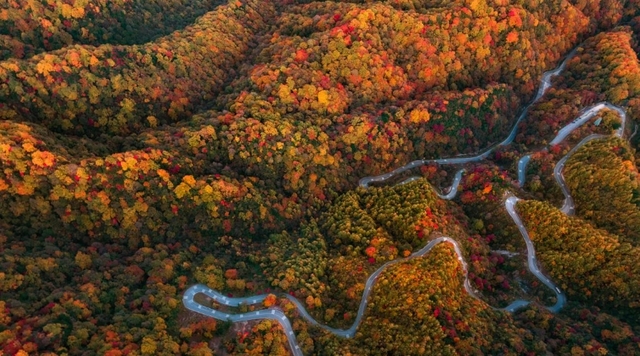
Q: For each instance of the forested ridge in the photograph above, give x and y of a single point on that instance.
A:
(612, 200)
(589, 263)
(149, 146)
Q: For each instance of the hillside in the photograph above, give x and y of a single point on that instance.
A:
(319, 177)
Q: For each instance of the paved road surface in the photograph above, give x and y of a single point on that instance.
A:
(522, 169)
(510, 202)
(586, 115)
(280, 317)
(545, 84)
(569, 207)
(452, 191)
(532, 262)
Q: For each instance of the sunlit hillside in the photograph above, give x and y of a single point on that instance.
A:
(284, 177)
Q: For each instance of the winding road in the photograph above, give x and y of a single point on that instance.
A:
(280, 317)
(586, 115)
(532, 262)
(569, 207)
(510, 203)
(545, 84)
(452, 191)
(522, 169)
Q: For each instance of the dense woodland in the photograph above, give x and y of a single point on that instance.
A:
(604, 182)
(146, 146)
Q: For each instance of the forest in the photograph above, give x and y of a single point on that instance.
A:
(150, 146)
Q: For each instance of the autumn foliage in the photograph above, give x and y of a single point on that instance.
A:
(146, 146)
(122, 89)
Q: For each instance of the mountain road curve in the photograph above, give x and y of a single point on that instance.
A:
(509, 203)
